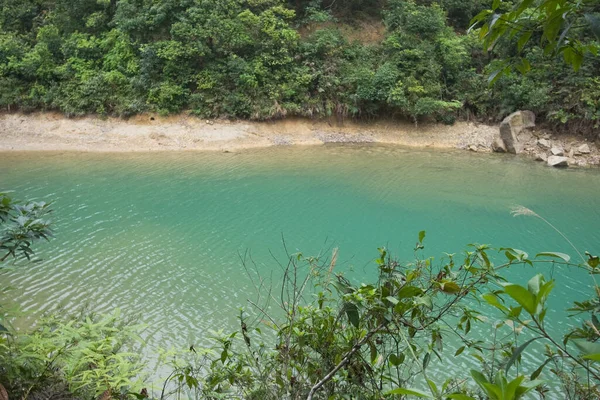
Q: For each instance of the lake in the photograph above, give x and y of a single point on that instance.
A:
(160, 235)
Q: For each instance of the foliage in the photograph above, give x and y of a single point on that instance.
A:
(85, 353)
(569, 29)
(322, 336)
(328, 338)
(21, 225)
(270, 59)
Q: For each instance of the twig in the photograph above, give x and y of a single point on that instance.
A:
(345, 360)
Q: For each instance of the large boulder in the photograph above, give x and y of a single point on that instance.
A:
(498, 146)
(558, 161)
(512, 127)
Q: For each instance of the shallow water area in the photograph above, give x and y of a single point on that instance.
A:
(160, 235)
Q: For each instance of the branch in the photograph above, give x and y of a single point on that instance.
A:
(345, 360)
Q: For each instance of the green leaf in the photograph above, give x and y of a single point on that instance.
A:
(524, 66)
(479, 377)
(593, 357)
(514, 312)
(517, 353)
(596, 322)
(523, 40)
(510, 256)
(534, 284)
(519, 254)
(373, 351)
(589, 349)
(526, 387)
(343, 287)
(545, 290)
(408, 392)
(450, 287)
(424, 300)
(421, 236)
(492, 299)
(521, 296)
(352, 313)
(494, 76)
(396, 360)
(538, 371)
(479, 17)
(408, 291)
(592, 261)
(523, 6)
(495, 18)
(459, 351)
(554, 254)
(433, 388)
(426, 359)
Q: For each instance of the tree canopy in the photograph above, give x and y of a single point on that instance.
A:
(262, 59)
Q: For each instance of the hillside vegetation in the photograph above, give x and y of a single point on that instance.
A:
(263, 59)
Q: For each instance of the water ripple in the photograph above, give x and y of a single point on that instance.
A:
(158, 235)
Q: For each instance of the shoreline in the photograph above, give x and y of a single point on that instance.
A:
(48, 131)
(143, 133)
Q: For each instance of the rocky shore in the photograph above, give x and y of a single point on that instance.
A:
(517, 135)
(55, 132)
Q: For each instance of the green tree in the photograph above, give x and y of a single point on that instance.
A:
(567, 28)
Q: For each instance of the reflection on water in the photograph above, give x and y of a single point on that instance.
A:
(159, 235)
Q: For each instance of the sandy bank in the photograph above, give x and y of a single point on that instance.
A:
(51, 132)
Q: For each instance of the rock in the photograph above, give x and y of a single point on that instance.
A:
(498, 146)
(558, 161)
(571, 153)
(472, 147)
(541, 157)
(584, 149)
(567, 147)
(512, 126)
(509, 138)
(544, 144)
(557, 151)
(524, 118)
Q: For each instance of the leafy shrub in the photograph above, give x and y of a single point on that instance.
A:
(246, 59)
(86, 353)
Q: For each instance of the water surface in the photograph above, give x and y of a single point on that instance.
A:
(159, 234)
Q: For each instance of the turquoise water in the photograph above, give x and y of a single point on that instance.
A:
(159, 235)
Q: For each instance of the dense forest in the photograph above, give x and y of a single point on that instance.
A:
(262, 59)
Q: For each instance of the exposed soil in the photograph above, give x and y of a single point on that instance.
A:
(50, 131)
(53, 131)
